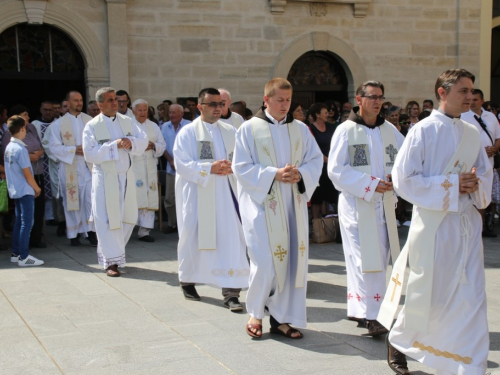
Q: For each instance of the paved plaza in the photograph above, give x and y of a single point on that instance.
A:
(68, 317)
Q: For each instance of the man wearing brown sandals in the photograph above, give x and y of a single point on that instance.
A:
(277, 164)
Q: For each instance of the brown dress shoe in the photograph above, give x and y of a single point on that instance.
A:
(375, 328)
(396, 360)
(112, 271)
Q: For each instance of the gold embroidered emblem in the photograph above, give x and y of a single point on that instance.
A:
(280, 253)
(446, 200)
(439, 353)
(396, 283)
(67, 136)
(446, 184)
(230, 272)
(203, 173)
(302, 248)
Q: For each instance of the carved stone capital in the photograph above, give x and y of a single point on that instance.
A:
(278, 6)
(35, 10)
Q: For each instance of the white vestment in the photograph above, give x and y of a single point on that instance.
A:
(235, 120)
(457, 340)
(491, 123)
(227, 265)
(254, 183)
(146, 218)
(365, 291)
(76, 221)
(111, 247)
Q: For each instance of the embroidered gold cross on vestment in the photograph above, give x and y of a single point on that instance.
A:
(396, 283)
(203, 173)
(67, 136)
(280, 253)
(446, 184)
(302, 248)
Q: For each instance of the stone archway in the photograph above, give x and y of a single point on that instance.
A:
(320, 41)
(91, 48)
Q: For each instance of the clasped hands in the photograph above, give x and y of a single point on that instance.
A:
(124, 143)
(221, 167)
(385, 185)
(289, 174)
(151, 145)
(491, 151)
(468, 182)
(79, 150)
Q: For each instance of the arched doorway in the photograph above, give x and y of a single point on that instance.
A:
(37, 63)
(495, 65)
(318, 76)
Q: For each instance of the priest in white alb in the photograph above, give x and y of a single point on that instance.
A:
(109, 141)
(228, 116)
(211, 247)
(360, 162)
(277, 163)
(443, 170)
(145, 170)
(75, 178)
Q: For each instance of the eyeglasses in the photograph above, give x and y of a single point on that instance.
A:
(214, 104)
(374, 97)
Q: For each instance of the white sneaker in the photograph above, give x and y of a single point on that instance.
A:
(30, 261)
(14, 258)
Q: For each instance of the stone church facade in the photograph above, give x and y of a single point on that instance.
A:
(163, 49)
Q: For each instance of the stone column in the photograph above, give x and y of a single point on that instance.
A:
(118, 44)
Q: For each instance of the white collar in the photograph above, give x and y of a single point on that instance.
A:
(275, 122)
(15, 140)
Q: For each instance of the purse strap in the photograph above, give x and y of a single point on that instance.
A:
(483, 125)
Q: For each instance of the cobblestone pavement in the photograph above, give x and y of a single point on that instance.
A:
(67, 317)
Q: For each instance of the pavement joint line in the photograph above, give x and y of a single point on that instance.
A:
(150, 313)
(33, 333)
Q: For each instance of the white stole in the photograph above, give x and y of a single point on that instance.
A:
(111, 183)
(421, 246)
(206, 195)
(68, 139)
(359, 153)
(147, 195)
(276, 217)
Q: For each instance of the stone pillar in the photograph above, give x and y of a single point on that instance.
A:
(118, 44)
(486, 22)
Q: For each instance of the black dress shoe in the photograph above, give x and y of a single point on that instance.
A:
(396, 360)
(147, 239)
(375, 328)
(190, 293)
(233, 304)
(92, 238)
(75, 242)
(61, 229)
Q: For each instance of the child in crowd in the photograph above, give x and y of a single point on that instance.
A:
(22, 189)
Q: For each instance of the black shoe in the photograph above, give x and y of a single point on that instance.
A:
(190, 293)
(75, 242)
(395, 359)
(233, 304)
(147, 239)
(92, 238)
(169, 230)
(61, 229)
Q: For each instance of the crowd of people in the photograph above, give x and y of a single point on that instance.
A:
(237, 188)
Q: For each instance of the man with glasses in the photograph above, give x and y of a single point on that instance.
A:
(488, 127)
(360, 162)
(124, 103)
(211, 247)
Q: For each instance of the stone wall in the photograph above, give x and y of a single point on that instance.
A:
(177, 47)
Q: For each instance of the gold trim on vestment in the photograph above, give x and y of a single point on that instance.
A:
(439, 353)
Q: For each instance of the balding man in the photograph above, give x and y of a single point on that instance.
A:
(146, 176)
(228, 116)
(75, 178)
(170, 130)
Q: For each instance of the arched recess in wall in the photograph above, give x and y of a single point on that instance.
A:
(320, 41)
(91, 48)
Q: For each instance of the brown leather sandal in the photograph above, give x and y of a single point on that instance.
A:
(258, 327)
(290, 331)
